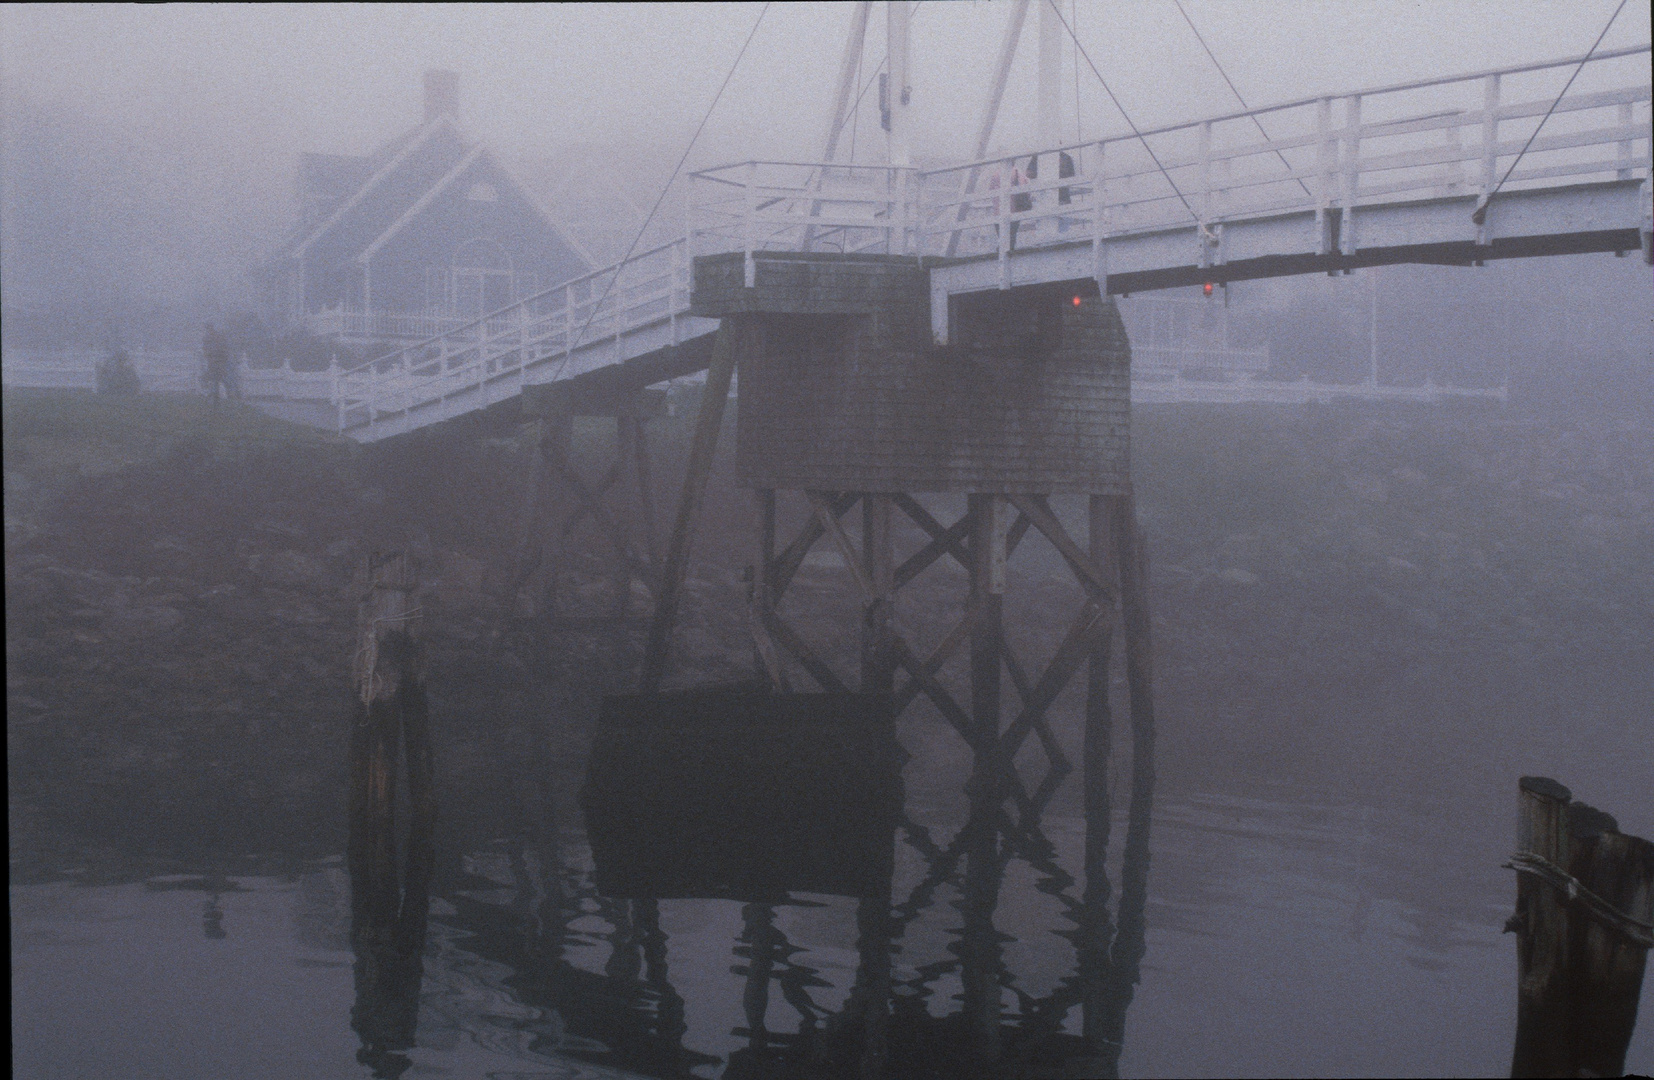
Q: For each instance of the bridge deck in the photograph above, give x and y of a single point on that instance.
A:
(1454, 170)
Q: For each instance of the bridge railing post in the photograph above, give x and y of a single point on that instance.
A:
(1490, 149)
(1099, 207)
(1323, 161)
(1625, 147)
(748, 225)
(1002, 204)
(1352, 172)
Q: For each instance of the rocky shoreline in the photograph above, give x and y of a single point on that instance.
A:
(180, 606)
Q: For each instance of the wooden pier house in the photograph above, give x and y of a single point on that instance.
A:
(847, 403)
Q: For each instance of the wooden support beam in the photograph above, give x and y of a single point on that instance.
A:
(1584, 923)
(979, 954)
(822, 503)
(921, 678)
(788, 562)
(737, 335)
(1095, 930)
(878, 664)
(788, 638)
(1039, 512)
(645, 493)
(1074, 650)
(953, 539)
(760, 601)
(1133, 554)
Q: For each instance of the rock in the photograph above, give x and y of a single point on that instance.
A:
(290, 568)
(460, 581)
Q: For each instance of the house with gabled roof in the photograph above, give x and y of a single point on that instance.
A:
(429, 231)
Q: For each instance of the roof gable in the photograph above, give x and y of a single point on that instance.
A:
(391, 162)
(479, 167)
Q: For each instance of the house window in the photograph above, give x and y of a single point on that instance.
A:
(481, 278)
(482, 192)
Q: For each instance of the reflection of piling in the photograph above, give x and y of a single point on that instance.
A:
(1584, 904)
(390, 890)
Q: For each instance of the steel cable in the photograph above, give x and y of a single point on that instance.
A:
(569, 352)
(1480, 216)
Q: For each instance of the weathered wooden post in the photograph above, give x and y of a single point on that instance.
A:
(736, 335)
(1584, 907)
(390, 896)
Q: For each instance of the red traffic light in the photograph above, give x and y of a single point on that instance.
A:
(1076, 301)
(1207, 288)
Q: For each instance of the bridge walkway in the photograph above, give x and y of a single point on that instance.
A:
(1456, 170)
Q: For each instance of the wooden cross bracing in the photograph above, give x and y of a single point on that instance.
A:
(887, 652)
(558, 483)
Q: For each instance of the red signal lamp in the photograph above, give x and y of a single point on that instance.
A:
(1076, 301)
(1207, 288)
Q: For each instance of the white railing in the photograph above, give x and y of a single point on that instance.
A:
(1331, 155)
(1422, 140)
(563, 331)
(1174, 335)
(378, 325)
(284, 382)
(159, 370)
(793, 206)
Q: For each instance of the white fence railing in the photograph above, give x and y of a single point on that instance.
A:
(790, 206)
(563, 331)
(378, 325)
(164, 371)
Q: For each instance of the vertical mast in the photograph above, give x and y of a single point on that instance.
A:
(1050, 75)
(847, 76)
(900, 86)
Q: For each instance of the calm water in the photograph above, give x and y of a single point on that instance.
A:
(1285, 934)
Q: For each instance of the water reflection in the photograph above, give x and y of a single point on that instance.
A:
(576, 974)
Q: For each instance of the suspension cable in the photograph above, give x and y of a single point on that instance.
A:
(1127, 116)
(569, 352)
(1480, 216)
(1233, 90)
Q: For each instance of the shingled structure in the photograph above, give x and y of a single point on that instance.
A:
(846, 392)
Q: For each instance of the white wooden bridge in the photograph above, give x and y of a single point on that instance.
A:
(1453, 170)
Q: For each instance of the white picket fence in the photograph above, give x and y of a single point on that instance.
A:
(164, 371)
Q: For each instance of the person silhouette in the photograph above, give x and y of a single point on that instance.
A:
(215, 355)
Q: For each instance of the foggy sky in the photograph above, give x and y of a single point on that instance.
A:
(537, 78)
(177, 128)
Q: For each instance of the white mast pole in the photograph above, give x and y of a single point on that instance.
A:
(847, 76)
(900, 85)
(1050, 75)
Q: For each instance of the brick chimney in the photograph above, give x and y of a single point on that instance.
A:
(441, 94)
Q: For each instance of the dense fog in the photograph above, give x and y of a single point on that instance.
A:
(1349, 623)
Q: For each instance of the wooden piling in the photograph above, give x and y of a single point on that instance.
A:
(1584, 905)
(390, 897)
(1099, 723)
